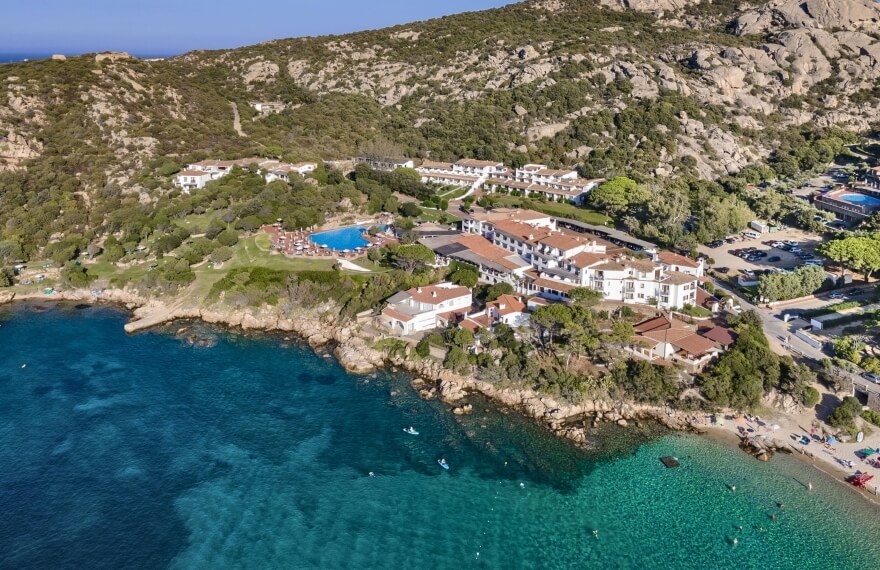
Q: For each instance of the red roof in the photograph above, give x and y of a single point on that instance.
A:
(671, 258)
(435, 294)
(507, 305)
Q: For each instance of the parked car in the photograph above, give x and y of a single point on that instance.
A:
(722, 269)
(873, 377)
(774, 259)
(716, 244)
(778, 244)
(836, 295)
(759, 254)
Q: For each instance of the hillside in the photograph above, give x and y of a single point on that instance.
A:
(650, 88)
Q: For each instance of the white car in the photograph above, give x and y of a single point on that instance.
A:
(777, 244)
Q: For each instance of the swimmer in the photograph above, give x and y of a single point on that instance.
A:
(735, 541)
(773, 518)
(810, 485)
(733, 488)
(596, 533)
(522, 485)
(371, 474)
(780, 505)
(739, 528)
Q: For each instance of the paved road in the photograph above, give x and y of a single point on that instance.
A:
(775, 328)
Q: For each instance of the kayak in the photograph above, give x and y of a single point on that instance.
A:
(413, 432)
(443, 465)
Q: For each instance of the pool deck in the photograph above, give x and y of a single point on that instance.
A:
(298, 243)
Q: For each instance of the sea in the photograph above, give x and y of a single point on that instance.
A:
(194, 447)
(8, 57)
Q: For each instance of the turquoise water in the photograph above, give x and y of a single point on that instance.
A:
(861, 200)
(350, 237)
(144, 452)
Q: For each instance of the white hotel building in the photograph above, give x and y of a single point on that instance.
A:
(551, 184)
(561, 261)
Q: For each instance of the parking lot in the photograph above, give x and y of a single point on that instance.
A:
(799, 244)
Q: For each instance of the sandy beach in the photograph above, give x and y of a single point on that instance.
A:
(829, 459)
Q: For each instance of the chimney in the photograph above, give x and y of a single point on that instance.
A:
(433, 293)
(418, 289)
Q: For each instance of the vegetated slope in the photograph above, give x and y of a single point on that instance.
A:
(649, 88)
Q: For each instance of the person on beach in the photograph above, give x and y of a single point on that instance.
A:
(810, 485)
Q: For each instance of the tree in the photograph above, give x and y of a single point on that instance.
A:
(845, 413)
(413, 257)
(228, 237)
(423, 348)
(6, 279)
(465, 275)
(858, 253)
(221, 254)
(74, 276)
(410, 210)
(617, 194)
(584, 296)
(798, 283)
(498, 289)
(551, 319)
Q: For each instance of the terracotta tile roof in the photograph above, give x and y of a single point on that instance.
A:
(484, 248)
(477, 163)
(562, 241)
(476, 322)
(705, 300)
(722, 335)
(643, 265)
(678, 278)
(521, 231)
(657, 323)
(397, 315)
(670, 335)
(507, 305)
(514, 214)
(671, 258)
(434, 294)
(436, 165)
(695, 344)
(584, 259)
(193, 173)
(610, 266)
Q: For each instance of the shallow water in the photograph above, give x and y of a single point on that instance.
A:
(143, 452)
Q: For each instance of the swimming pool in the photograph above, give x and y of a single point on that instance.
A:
(349, 237)
(861, 200)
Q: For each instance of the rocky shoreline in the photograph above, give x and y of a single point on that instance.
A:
(356, 352)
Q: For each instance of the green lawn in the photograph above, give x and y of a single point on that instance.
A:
(254, 252)
(560, 209)
(196, 223)
(452, 193)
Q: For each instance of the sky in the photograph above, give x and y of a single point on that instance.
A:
(160, 27)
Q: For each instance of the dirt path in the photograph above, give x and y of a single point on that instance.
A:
(236, 120)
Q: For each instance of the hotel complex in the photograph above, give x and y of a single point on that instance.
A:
(533, 254)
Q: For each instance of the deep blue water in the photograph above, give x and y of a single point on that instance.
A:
(141, 451)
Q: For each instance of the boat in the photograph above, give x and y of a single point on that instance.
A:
(860, 479)
(443, 464)
(860, 437)
(410, 431)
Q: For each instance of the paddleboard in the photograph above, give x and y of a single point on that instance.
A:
(443, 465)
(410, 432)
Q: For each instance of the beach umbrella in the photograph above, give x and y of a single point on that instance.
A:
(831, 439)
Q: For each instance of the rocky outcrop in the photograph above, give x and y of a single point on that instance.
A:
(112, 56)
(826, 14)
